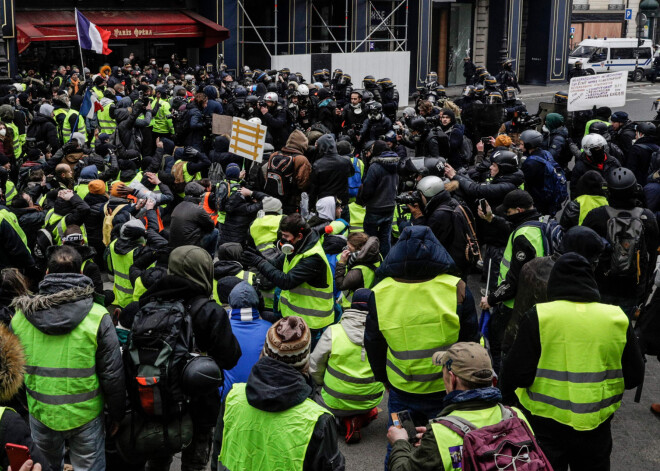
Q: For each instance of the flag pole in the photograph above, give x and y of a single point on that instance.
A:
(82, 64)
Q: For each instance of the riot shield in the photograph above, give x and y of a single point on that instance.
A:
(573, 123)
(482, 120)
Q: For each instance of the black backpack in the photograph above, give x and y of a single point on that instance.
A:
(181, 123)
(464, 238)
(625, 233)
(279, 175)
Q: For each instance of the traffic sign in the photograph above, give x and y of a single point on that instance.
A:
(628, 13)
(572, 30)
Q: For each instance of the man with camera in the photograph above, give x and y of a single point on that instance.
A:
(274, 116)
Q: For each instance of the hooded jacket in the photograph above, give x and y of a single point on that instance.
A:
(190, 223)
(379, 188)
(639, 158)
(14, 253)
(416, 257)
(347, 278)
(330, 172)
(44, 130)
(241, 211)
(274, 386)
(63, 301)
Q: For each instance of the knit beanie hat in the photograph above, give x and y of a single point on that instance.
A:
(503, 141)
(116, 188)
(46, 109)
(289, 341)
(4, 160)
(97, 187)
(554, 120)
(233, 171)
(34, 154)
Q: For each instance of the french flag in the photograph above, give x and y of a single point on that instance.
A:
(90, 105)
(91, 36)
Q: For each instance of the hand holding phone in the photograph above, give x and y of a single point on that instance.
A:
(402, 419)
(17, 454)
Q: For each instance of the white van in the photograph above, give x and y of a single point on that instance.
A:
(600, 56)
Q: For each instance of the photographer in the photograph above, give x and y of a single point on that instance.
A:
(428, 141)
(274, 116)
(198, 125)
(353, 115)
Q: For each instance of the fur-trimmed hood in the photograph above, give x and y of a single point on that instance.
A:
(12, 363)
(63, 301)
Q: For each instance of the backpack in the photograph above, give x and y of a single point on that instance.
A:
(108, 216)
(223, 191)
(625, 233)
(355, 181)
(552, 233)
(465, 152)
(279, 175)
(216, 174)
(464, 235)
(181, 123)
(555, 190)
(508, 444)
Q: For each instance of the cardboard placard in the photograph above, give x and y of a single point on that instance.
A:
(597, 90)
(247, 139)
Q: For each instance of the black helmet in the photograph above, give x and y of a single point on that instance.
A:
(252, 99)
(478, 69)
(531, 138)
(272, 87)
(345, 79)
(418, 124)
(479, 90)
(240, 91)
(385, 83)
(494, 98)
(509, 93)
(646, 128)
(484, 73)
(375, 110)
(201, 375)
(369, 81)
(598, 127)
(337, 73)
(490, 80)
(621, 178)
(317, 75)
(506, 160)
(561, 98)
(431, 77)
(367, 96)
(468, 91)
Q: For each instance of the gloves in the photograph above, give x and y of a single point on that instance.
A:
(250, 258)
(190, 153)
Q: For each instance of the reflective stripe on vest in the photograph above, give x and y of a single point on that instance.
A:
(368, 276)
(535, 237)
(106, 123)
(264, 231)
(589, 202)
(573, 388)
(18, 146)
(314, 305)
(66, 128)
(256, 440)
(6, 215)
(60, 373)
(139, 289)
(349, 383)
(10, 191)
(414, 335)
(57, 225)
(243, 275)
(122, 286)
(357, 214)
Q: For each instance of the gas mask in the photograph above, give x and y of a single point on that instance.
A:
(286, 247)
(598, 155)
(375, 116)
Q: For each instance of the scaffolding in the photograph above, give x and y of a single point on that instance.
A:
(346, 44)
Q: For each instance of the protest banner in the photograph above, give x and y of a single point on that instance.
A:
(221, 125)
(247, 139)
(597, 90)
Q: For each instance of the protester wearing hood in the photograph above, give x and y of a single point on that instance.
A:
(645, 145)
(44, 129)
(213, 106)
(622, 131)
(327, 219)
(340, 354)
(416, 268)
(220, 153)
(63, 317)
(278, 387)
(356, 267)
(556, 139)
(378, 192)
(190, 224)
(189, 279)
(326, 109)
(455, 133)
(330, 172)
(553, 337)
(240, 211)
(591, 192)
(126, 136)
(228, 271)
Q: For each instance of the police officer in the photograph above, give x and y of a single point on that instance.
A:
(577, 71)
(390, 98)
(569, 396)
(507, 77)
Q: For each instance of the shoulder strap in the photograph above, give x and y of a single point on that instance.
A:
(507, 412)
(457, 424)
(197, 304)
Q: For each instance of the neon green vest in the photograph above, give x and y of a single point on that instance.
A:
(139, 289)
(56, 223)
(450, 443)
(535, 237)
(349, 383)
(368, 275)
(60, 373)
(589, 202)
(357, 214)
(159, 122)
(10, 189)
(66, 128)
(122, 286)
(98, 92)
(573, 388)
(339, 227)
(82, 190)
(18, 140)
(106, 123)
(6, 215)
(395, 224)
(414, 335)
(256, 440)
(590, 122)
(246, 276)
(314, 305)
(264, 231)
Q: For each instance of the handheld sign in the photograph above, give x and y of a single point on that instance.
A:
(597, 90)
(247, 139)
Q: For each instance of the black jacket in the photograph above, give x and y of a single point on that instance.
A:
(330, 172)
(557, 144)
(379, 188)
(14, 253)
(372, 130)
(277, 126)
(274, 386)
(125, 133)
(30, 220)
(189, 223)
(583, 164)
(493, 190)
(240, 213)
(639, 158)
(434, 143)
(44, 130)
(624, 137)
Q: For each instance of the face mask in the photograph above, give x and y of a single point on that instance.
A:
(286, 247)
(3, 132)
(598, 155)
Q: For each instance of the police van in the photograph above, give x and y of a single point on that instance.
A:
(605, 55)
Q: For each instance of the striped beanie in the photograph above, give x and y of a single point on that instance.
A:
(289, 341)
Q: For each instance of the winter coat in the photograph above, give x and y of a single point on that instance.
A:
(624, 137)
(190, 223)
(63, 301)
(379, 188)
(652, 194)
(348, 278)
(493, 190)
(14, 253)
(416, 257)
(330, 172)
(583, 164)
(240, 211)
(639, 158)
(44, 130)
(372, 130)
(534, 172)
(30, 220)
(195, 137)
(125, 133)
(274, 386)
(556, 143)
(296, 146)
(276, 122)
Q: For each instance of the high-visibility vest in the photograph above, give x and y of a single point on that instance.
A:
(82, 189)
(159, 122)
(56, 223)
(264, 231)
(314, 305)
(122, 286)
(579, 377)
(589, 202)
(98, 92)
(414, 335)
(246, 276)
(535, 237)
(338, 227)
(254, 439)
(207, 207)
(18, 140)
(450, 443)
(357, 214)
(395, 224)
(60, 374)
(368, 276)
(67, 131)
(187, 176)
(106, 123)
(10, 191)
(590, 122)
(349, 383)
(139, 289)
(6, 215)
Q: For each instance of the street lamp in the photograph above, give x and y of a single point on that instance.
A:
(504, 47)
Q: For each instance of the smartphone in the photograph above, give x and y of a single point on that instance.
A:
(483, 204)
(403, 419)
(485, 140)
(17, 454)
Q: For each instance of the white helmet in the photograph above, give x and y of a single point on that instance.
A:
(254, 120)
(303, 89)
(592, 141)
(430, 186)
(271, 96)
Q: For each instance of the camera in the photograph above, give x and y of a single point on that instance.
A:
(409, 197)
(523, 121)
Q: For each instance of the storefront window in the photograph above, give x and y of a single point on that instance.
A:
(459, 41)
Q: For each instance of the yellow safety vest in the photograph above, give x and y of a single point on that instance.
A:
(67, 131)
(122, 286)
(106, 123)
(264, 231)
(589, 202)
(357, 214)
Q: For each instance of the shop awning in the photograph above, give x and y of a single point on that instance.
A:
(60, 26)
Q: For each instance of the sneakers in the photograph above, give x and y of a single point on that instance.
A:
(353, 425)
(655, 408)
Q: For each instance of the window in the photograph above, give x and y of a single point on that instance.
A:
(644, 53)
(620, 53)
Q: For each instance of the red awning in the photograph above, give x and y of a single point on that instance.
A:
(61, 26)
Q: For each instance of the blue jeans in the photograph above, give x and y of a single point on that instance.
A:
(421, 411)
(210, 241)
(86, 445)
(379, 225)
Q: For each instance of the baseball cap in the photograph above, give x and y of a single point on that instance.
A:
(467, 360)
